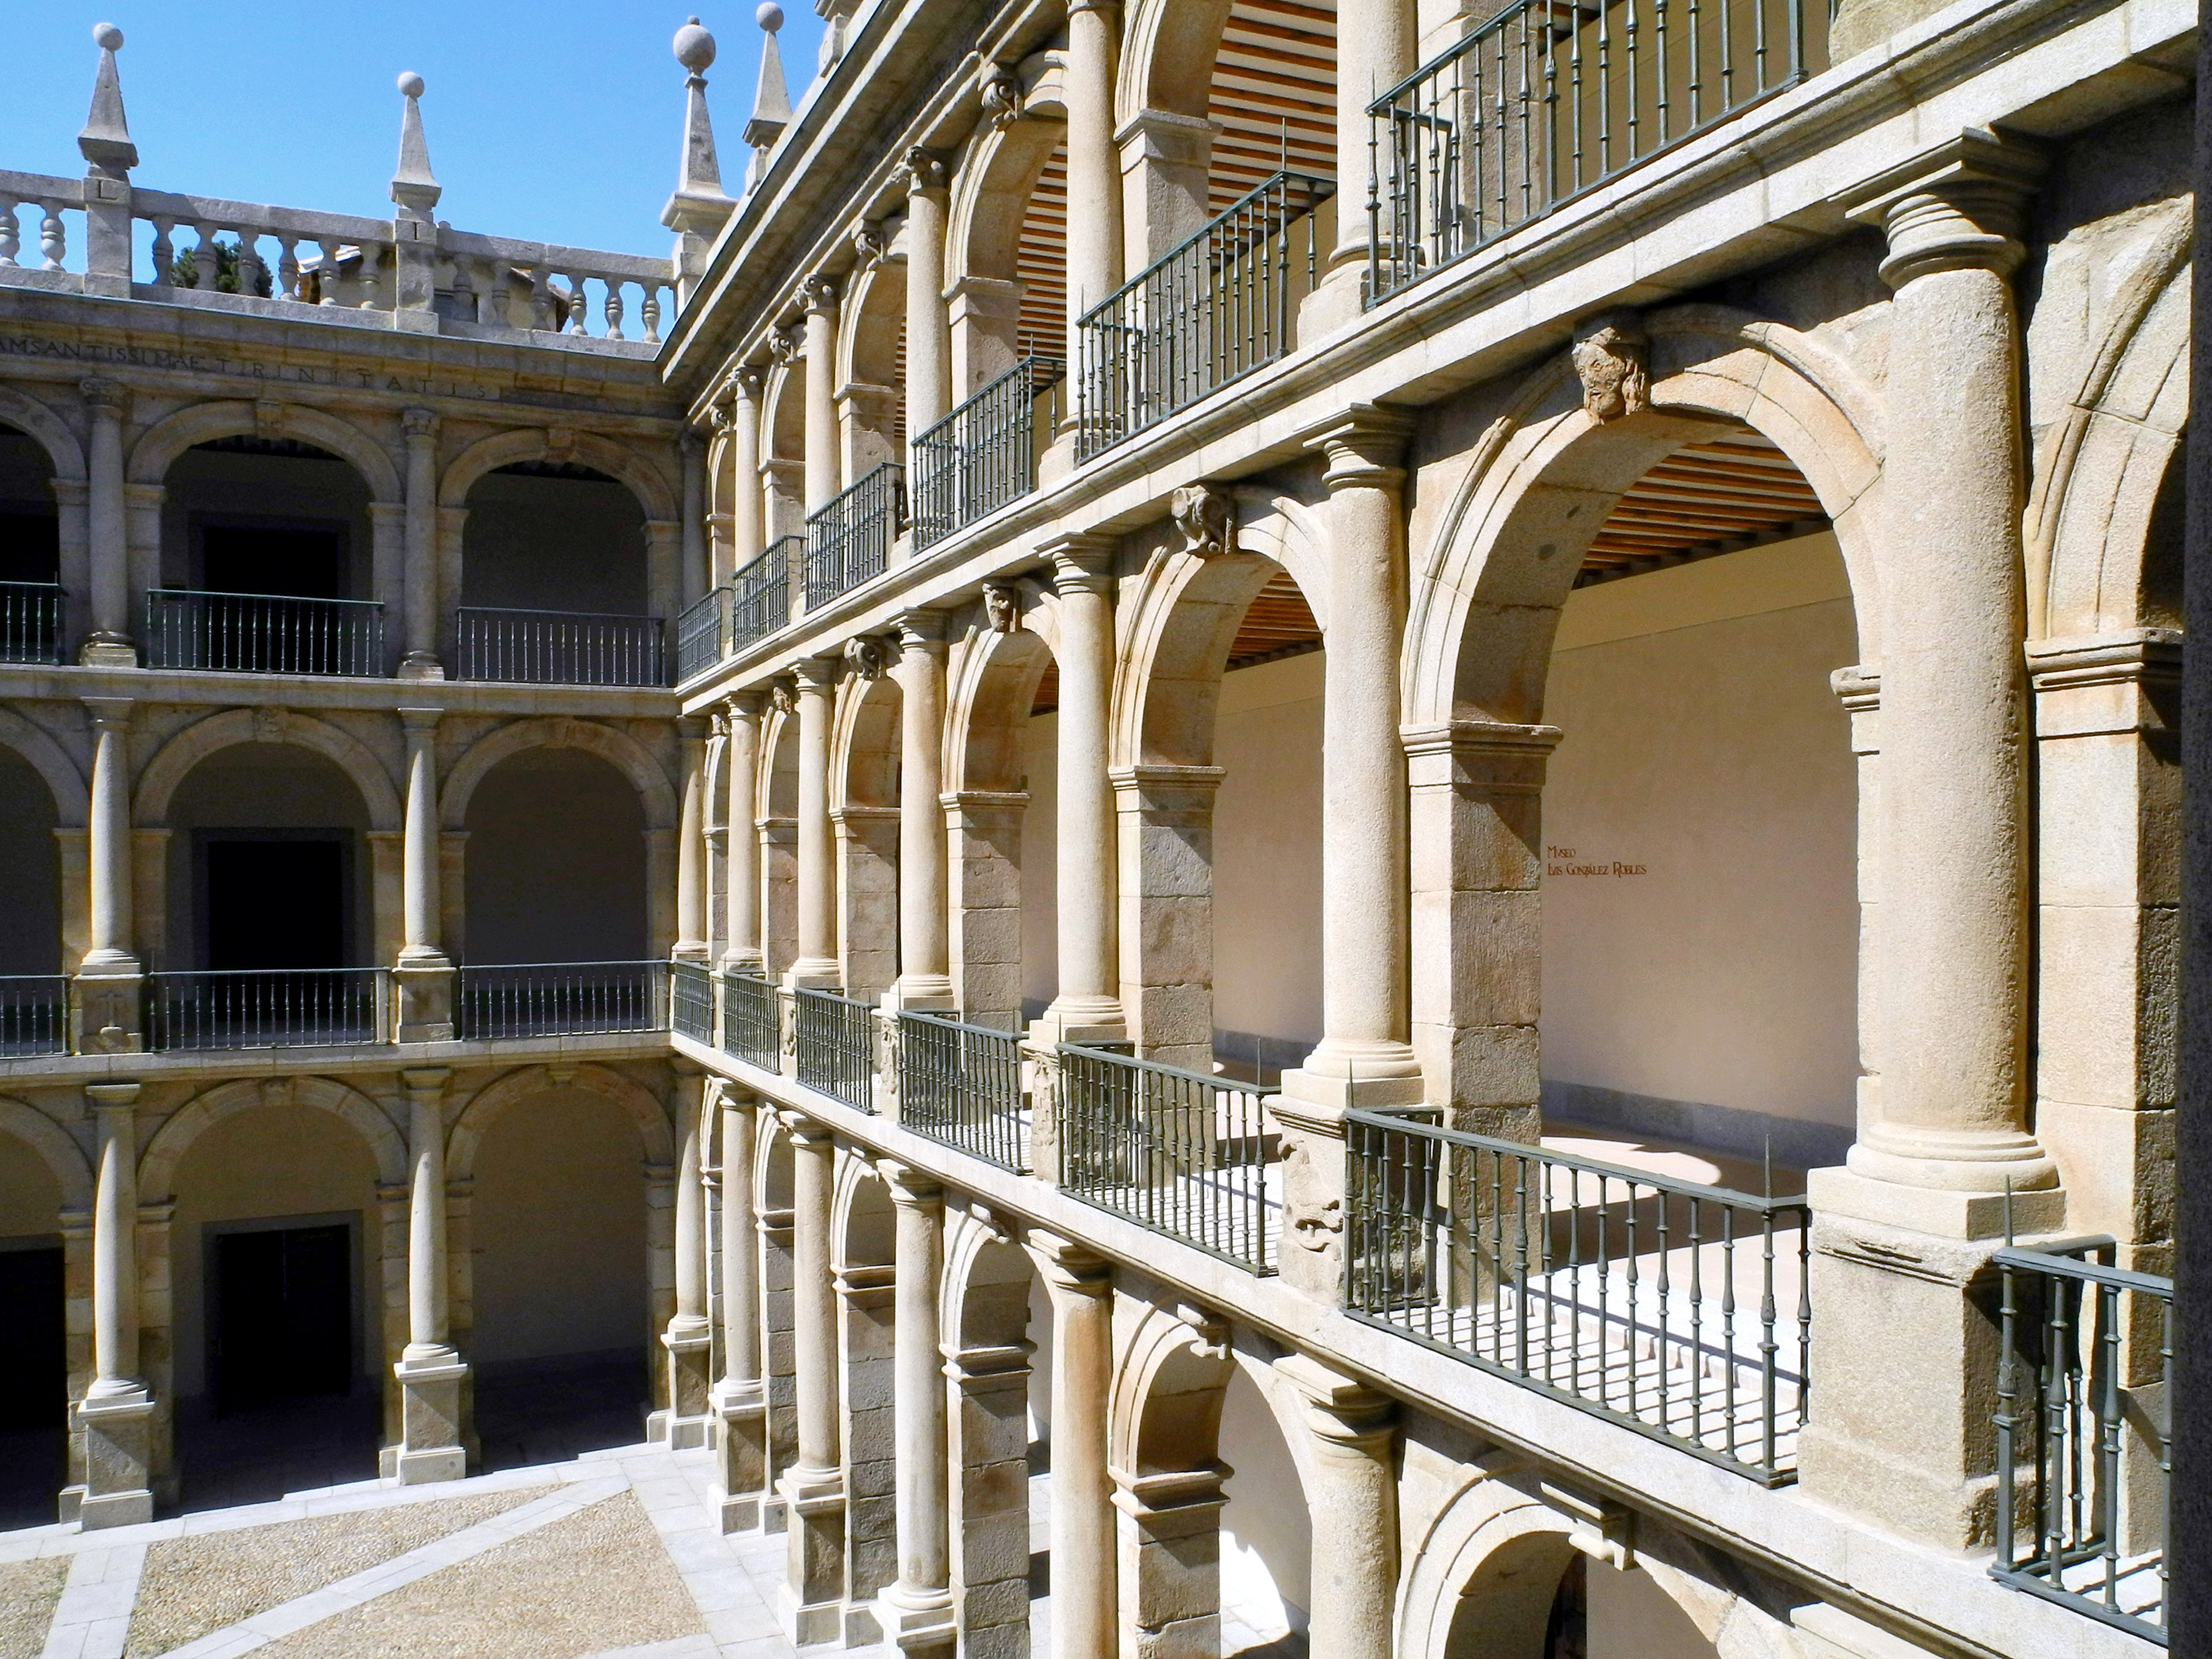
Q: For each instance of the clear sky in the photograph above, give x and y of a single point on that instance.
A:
(550, 120)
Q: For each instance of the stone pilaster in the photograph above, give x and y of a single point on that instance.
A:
(1085, 1574)
(691, 845)
(1165, 852)
(810, 1604)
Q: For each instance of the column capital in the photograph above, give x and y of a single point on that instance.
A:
(1363, 447)
(423, 721)
(922, 170)
(1959, 206)
(743, 384)
(103, 395)
(746, 705)
(910, 1188)
(1067, 1266)
(818, 294)
(110, 714)
(425, 1080)
(419, 424)
(817, 675)
(692, 728)
(1082, 563)
(806, 1131)
(919, 630)
(1340, 1409)
(1487, 738)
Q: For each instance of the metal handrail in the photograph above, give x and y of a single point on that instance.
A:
(849, 539)
(702, 633)
(1676, 1308)
(493, 1001)
(2084, 1455)
(559, 648)
(691, 1001)
(34, 621)
(751, 1028)
(1218, 305)
(1549, 98)
(835, 1045)
(961, 1084)
(266, 1008)
(1186, 1153)
(761, 592)
(34, 1014)
(984, 453)
(263, 633)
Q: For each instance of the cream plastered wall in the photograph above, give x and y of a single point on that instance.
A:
(1039, 938)
(1266, 1553)
(1632, 1618)
(558, 1219)
(262, 1163)
(1267, 862)
(1700, 907)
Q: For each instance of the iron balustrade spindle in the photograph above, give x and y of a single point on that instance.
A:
(267, 1008)
(984, 453)
(1618, 1289)
(560, 999)
(850, 540)
(34, 1014)
(2084, 1386)
(1186, 1154)
(749, 1020)
(560, 647)
(961, 1084)
(34, 621)
(760, 593)
(1218, 305)
(837, 1047)
(263, 633)
(691, 1001)
(703, 633)
(1548, 99)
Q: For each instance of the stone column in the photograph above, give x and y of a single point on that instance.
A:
(810, 1604)
(816, 961)
(1164, 162)
(1352, 1501)
(1094, 235)
(108, 645)
(925, 979)
(1903, 1345)
(1165, 850)
(1364, 1057)
(108, 978)
(741, 952)
(747, 538)
(928, 335)
(739, 1399)
(1085, 1595)
(1476, 794)
(819, 296)
(691, 448)
(424, 974)
(689, 1337)
(916, 1612)
(1376, 47)
(1086, 1007)
(117, 1411)
(420, 555)
(432, 1445)
(1171, 1541)
(691, 845)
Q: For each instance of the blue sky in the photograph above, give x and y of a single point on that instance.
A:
(553, 120)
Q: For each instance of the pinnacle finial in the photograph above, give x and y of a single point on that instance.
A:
(772, 94)
(412, 186)
(700, 205)
(105, 141)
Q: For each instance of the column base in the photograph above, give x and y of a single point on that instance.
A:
(743, 962)
(926, 994)
(1334, 1095)
(1080, 1019)
(818, 974)
(108, 654)
(431, 1447)
(1848, 1194)
(119, 1427)
(811, 1602)
(740, 1410)
(424, 989)
(419, 666)
(107, 1007)
(915, 1620)
(689, 1423)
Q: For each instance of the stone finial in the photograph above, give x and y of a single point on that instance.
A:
(772, 94)
(413, 187)
(1207, 515)
(1609, 358)
(699, 204)
(105, 141)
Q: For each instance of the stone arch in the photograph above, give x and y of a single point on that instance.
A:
(47, 429)
(617, 749)
(777, 784)
(984, 1309)
(462, 1140)
(990, 693)
(864, 742)
(654, 494)
(160, 444)
(1168, 50)
(1492, 1547)
(157, 1164)
(861, 1215)
(2099, 467)
(1545, 475)
(783, 413)
(1181, 615)
(991, 196)
(62, 1156)
(1166, 1410)
(870, 324)
(45, 756)
(173, 762)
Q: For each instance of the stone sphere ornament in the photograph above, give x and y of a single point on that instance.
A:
(107, 37)
(411, 84)
(694, 48)
(769, 16)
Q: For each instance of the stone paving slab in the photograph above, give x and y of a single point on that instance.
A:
(199, 1583)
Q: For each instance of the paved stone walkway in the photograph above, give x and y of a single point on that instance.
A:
(611, 1556)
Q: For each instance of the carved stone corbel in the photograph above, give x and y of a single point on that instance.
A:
(1205, 514)
(1003, 97)
(1609, 358)
(864, 656)
(1002, 607)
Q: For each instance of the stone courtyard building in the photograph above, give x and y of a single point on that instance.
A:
(1369, 809)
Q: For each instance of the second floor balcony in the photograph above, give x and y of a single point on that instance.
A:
(559, 648)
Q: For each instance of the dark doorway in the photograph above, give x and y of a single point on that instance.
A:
(275, 903)
(33, 1385)
(304, 561)
(283, 1316)
(30, 546)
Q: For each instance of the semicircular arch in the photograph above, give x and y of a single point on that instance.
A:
(161, 443)
(656, 794)
(1168, 53)
(653, 493)
(157, 1164)
(43, 754)
(173, 762)
(47, 429)
(62, 1156)
(991, 197)
(656, 1137)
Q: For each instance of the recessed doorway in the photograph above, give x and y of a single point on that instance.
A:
(281, 1318)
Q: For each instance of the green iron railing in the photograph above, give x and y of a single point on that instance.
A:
(749, 1020)
(961, 1084)
(759, 603)
(263, 633)
(835, 1047)
(984, 454)
(849, 541)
